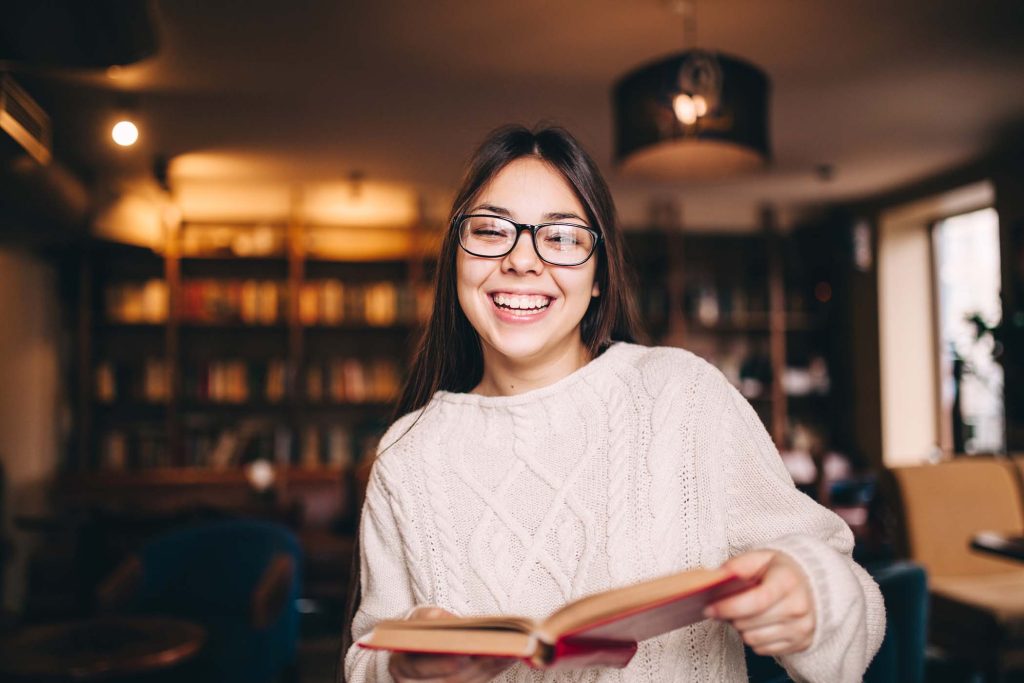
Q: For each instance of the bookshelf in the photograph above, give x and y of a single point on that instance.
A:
(753, 305)
(194, 361)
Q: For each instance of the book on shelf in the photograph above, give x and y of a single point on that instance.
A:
(144, 446)
(135, 303)
(352, 380)
(250, 302)
(148, 381)
(235, 381)
(601, 629)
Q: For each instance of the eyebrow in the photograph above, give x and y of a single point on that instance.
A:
(550, 216)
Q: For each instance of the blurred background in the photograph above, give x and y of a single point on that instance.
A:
(218, 227)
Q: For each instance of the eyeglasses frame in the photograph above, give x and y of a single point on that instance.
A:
(532, 228)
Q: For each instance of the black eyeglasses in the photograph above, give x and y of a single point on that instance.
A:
(560, 244)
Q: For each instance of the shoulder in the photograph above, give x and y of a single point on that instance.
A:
(395, 448)
(664, 368)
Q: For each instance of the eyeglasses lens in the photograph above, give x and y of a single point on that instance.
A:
(559, 244)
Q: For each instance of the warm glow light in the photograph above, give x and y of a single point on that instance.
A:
(368, 204)
(685, 108)
(261, 475)
(124, 133)
(700, 105)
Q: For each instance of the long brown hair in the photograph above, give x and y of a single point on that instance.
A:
(449, 356)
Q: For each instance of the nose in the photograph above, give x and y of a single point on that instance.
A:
(523, 258)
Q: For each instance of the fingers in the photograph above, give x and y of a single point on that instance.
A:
(777, 616)
(780, 638)
(428, 612)
(749, 564)
(752, 602)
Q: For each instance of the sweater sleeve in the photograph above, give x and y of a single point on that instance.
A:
(765, 510)
(384, 581)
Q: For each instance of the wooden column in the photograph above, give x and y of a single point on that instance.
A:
(172, 331)
(776, 324)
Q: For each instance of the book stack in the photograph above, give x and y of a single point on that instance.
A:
(352, 380)
(148, 382)
(236, 381)
(249, 302)
(377, 304)
(143, 447)
(134, 303)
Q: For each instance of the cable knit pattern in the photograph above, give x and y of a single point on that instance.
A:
(645, 461)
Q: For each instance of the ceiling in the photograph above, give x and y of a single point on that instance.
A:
(276, 97)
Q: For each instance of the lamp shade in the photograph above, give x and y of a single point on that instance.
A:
(652, 141)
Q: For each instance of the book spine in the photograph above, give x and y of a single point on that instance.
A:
(578, 653)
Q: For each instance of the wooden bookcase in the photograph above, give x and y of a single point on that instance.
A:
(193, 362)
(754, 304)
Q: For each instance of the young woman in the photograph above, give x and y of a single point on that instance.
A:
(542, 456)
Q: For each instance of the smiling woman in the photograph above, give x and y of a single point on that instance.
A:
(540, 455)
(526, 311)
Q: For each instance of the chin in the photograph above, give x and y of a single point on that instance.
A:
(517, 349)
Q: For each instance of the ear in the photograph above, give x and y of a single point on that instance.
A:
(596, 289)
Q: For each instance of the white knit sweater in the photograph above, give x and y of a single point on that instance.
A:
(644, 462)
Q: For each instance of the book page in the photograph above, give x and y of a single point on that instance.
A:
(494, 623)
(613, 605)
(486, 642)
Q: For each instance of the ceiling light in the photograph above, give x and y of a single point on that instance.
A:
(125, 133)
(696, 114)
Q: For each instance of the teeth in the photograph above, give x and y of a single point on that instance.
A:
(521, 301)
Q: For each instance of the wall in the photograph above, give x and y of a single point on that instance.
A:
(1009, 188)
(907, 327)
(30, 399)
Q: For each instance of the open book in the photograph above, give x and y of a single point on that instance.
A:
(602, 629)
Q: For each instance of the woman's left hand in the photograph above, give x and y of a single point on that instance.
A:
(775, 617)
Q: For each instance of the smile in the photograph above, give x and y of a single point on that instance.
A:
(521, 303)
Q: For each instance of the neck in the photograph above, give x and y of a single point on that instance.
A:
(505, 376)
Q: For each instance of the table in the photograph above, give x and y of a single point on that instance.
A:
(100, 648)
(995, 543)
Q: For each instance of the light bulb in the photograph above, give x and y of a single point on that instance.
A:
(260, 474)
(685, 109)
(124, 133)
(700, 105)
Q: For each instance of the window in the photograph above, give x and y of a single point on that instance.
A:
(967, 272)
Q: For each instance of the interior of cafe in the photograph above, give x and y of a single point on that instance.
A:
(219, 234)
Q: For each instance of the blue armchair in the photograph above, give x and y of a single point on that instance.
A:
(238, 578)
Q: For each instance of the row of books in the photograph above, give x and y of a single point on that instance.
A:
(353, 380)
(379, 304)
(143, 447)
(136, 303)
(311, 448)
(265, 302)
(250, 302)
(334, 446)
(148, 381)
(235, 381)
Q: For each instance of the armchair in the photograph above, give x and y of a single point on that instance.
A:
(237, 578)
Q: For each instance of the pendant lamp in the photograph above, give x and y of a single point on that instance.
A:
(693, 115)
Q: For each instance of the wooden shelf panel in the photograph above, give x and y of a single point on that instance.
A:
(197, 476)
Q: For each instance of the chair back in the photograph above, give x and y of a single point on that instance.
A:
(213, 567)
(944, 505)
(209, 573)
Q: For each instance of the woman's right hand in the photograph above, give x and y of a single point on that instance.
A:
(404, 666)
